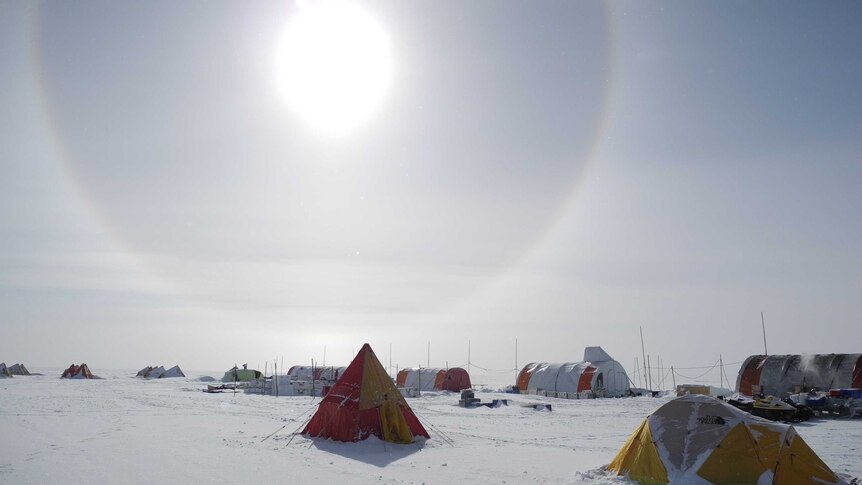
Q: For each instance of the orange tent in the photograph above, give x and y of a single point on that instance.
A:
(364, 402)
(434, 379)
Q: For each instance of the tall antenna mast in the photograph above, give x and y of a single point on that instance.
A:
(763, 326)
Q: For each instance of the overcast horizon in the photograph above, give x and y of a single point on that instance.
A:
(176, 187)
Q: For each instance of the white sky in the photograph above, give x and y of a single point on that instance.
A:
(562, 173)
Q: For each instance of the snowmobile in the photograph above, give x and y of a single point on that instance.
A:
(742, 402)
(773, 409)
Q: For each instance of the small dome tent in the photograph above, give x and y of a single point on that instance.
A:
(241, 375)
(598, 374)
(364, 402)
(434, 379)
(698, 438)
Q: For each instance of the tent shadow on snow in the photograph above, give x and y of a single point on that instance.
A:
(372, 451)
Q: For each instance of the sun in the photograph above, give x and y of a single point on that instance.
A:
(334, 66)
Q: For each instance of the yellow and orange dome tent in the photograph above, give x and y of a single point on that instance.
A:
(698, 438)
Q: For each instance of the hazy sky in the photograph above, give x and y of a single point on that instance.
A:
(562, 173)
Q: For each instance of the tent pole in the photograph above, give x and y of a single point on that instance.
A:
(763, 325)
(674, 376)
(644, 355)
(516, 361)
(649, 375)
(661, 373)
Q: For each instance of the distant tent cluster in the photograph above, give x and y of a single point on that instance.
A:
(364, 402)
(432, 379)
(696, 438)
(597, 376)
(77, 372)
(788, 374)
(160, 372)
(15, 370)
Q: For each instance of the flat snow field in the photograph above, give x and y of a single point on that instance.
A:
(127, 430)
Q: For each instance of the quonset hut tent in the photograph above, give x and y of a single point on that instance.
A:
(598, 375)
(431, 379)
(780, 374)
(19, 370)
(364, 402)
(77, 372)
(700, 438)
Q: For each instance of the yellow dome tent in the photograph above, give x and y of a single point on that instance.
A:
(699, 438)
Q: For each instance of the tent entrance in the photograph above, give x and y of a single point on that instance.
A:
(392, 423)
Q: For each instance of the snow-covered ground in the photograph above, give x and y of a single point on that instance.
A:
(124, 429)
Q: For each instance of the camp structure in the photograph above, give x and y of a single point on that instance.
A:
(598, 375)
(787, 374)
(305, 380)
(454, 379)
(697, 438)
(364, 402)
(4, 371)
(77, 372)
(241, 375)
(19, 370)
(308, 373)
(159, 372)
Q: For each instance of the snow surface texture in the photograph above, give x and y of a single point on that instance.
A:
(127, 430)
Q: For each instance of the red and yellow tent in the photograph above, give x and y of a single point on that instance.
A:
(364, 402)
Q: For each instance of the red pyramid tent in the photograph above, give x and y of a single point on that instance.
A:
(365, 402)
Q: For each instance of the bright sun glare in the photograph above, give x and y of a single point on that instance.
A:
(334, 65)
